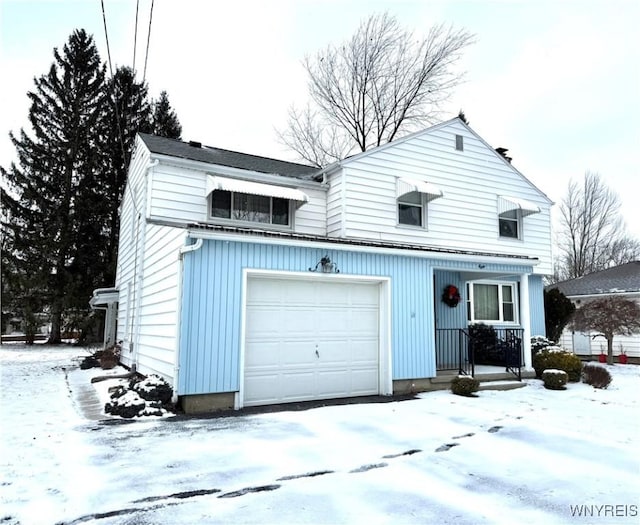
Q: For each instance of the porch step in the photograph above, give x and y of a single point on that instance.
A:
(501, 385)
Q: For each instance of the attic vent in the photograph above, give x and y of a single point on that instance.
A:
(459, 143)
(195, 143)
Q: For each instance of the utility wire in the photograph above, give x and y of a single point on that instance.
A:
(146, 55)
(115, 102)
(135, 36)
(106, 36)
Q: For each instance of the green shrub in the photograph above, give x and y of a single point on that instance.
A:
(559, 359)
(555, 379)
(464, 385)
(597, 376)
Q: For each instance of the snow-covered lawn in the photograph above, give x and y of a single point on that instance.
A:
(522, 456)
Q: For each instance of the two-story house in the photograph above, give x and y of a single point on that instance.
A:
(248, 281)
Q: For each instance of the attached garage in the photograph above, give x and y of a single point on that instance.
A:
(313, 336)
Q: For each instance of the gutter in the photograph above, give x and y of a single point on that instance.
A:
(339, 244)
(187, 248)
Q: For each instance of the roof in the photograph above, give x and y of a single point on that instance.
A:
(619, 279)
(222, 157)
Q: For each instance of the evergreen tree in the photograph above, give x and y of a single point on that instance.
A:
(164, 120)
(129, 113)
(52, 188)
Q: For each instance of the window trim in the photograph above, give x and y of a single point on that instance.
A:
(252, 224)
(515, 301)
(423, 211)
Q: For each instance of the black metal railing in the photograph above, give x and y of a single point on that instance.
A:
(461, 349)
(452, 351)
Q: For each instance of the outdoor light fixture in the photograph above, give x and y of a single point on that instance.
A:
(325, 265)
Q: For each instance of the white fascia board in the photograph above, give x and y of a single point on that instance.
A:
(238, 173)
(226, 236)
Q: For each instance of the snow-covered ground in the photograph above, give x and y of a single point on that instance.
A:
(522, 456)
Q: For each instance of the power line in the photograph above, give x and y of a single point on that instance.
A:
(106, 36)
(115, 101)
(135, 36)
(146, 55)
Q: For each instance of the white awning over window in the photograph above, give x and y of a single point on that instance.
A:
(214, 182)
(405, 186)
(506, 204)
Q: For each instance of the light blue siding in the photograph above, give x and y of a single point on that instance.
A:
(447, 316)
(211, 310)
(536, 305)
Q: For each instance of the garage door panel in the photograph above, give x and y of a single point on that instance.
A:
(264, 321)
(297, 352)
(365, 295)
(363, 321)
(261, 353)
(365, 382)
(288, 320)
(337, 295)
(297, 385)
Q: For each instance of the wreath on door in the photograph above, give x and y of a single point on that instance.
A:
(451, 296)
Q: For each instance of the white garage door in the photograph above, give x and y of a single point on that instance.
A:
(310, 339)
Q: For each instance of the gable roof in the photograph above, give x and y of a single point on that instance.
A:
(428, 130)
(619, 279)
(222, 157)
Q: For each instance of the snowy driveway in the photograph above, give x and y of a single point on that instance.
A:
(523, 456)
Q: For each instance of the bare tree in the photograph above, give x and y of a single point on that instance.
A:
(609, 316)
(383, 82)
(592, 234)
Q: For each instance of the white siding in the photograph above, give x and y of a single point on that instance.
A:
(630, 344)
(466, 217)
(178, 195)
(131, 229)
(157, 316)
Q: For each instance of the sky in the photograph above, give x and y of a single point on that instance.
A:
(556, 82)
(529, 455)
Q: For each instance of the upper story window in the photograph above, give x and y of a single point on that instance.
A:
(250, 208)
(412, 197)
(511, 211)
(459, 143)
(509, 224)
(492, 302)
(411, 209)
(237, 200)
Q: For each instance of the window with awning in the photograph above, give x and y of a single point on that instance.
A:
(511, 210)
(412, 197)
(215, 182)
(248, 201)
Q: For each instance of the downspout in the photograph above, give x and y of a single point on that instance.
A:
(176, 356)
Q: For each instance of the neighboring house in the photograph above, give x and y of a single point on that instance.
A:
(247, 281)
(619, 281)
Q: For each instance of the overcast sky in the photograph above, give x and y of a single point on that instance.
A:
(555, 82)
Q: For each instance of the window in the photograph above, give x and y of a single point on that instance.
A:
(509, 224)
(459, 143)
(491, 302)
(245, 207)
(411, 209)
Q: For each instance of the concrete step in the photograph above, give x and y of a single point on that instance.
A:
(501, 385)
